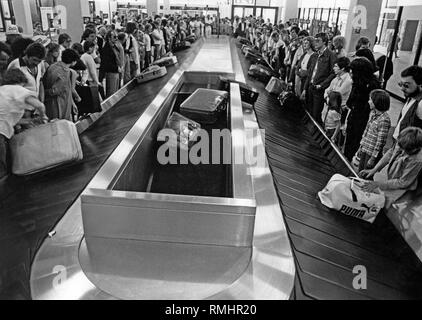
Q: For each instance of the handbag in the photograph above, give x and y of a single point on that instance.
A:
(346, 196)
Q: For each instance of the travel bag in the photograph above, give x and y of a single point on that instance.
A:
(242, 41)
(261, 73)
(186, 131)
(166, 62)
(151, 73)
(288, 100)
(90, 99)
(248, 94)
(346, 196)
(275, 86)
(44, 147)
(256, 58)
(205, 105)
(191, 38)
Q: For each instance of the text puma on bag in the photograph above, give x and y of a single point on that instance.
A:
(345, 195)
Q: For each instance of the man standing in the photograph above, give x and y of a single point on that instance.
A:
(321, 74)
(12, 33)
(33, 68)
(411, 86)
(64, 41)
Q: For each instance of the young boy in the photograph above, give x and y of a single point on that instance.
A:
(375, 135)
(15, 102)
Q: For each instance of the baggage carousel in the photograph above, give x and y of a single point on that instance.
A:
(142, 230)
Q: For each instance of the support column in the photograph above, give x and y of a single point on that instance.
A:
(152, 7)
(362, 21)
(22, 10)
(289, 10)
(71, 18)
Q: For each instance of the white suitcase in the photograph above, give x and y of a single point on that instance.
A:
(44, 147)
(275, 86)
(152, 73)
(166, 62)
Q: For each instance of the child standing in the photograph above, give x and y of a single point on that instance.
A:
(375, 135)
(332, 121)
(15, 101)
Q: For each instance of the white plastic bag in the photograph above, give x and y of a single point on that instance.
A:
(345, 195)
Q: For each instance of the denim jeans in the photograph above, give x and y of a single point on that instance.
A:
(112, 83)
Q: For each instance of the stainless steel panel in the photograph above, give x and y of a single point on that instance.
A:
(140, 223)
(169, 201)
(242, 187)
(156, 270)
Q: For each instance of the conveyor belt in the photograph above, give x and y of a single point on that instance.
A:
(30, 207)
(328, 245)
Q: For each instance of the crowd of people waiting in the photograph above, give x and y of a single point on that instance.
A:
(40, 78)
(342, 91)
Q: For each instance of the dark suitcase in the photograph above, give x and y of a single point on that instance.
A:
(288, 100)
(256, 58)
(261, 73)
(166, 62)
(247, 93)
(191, 38)
(205, 105)
(242, 40)
(186, 130)
(90, 99)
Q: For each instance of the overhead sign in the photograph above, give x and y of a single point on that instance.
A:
(404, 3)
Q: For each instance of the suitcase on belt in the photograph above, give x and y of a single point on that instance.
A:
(276, 86)
(186, 130)
(255, 58)
(246, 48)
(247, 93)
(244, 41)
(191, 38)
(166, 62)
(205, 105)
(90, 99)
(261, 73)
(44, 147)
(151, 73)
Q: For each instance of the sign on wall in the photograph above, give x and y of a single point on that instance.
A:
(405, 3)
(46, 17)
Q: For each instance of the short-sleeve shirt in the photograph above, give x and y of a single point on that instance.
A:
(34, 80)
(12, 107)
(332, 120)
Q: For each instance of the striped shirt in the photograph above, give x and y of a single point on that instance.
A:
(375, 136)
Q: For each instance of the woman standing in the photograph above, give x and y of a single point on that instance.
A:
(59, 93)
(339, 43)
(53, 52)
(302, 65)
(364, 82)
(109, 64)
